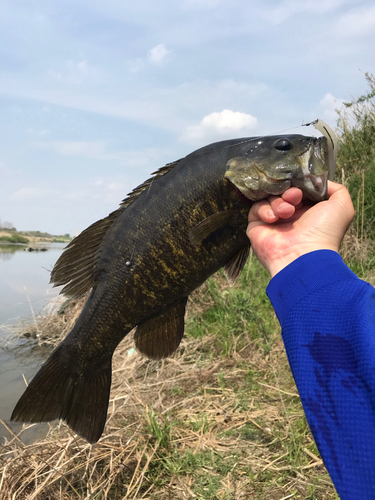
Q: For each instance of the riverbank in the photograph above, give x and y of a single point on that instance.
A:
(13, 237)
(219, 420)
(221, 415)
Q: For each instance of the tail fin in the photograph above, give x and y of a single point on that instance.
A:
(60, 390)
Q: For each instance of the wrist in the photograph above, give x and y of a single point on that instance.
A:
(278, 264)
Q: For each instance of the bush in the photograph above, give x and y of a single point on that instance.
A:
(356, 157)
(15, 238)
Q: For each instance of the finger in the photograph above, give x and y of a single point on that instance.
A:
(293, 196)
(281, 208)
(339, 194)
(262, 211)
(300, 205)
(334, 187)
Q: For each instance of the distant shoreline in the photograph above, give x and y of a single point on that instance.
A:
(13, 237)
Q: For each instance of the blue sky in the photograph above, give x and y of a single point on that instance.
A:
(95, 95)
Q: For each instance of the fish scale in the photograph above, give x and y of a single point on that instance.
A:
(142, 262)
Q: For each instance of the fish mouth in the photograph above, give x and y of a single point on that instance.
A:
(312, 178)
(319, 186)
(312, 185)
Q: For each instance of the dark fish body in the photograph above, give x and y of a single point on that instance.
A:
(152, 235)
(142, 262)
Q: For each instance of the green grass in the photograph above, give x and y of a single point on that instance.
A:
(244, 338)
(235, 314)
(18, 235)
(61, 239)
(14, 238)
(160, 429)
(40, 234)
(221, 420)
(356, 157)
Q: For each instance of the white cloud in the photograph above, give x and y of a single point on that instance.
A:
(288, 8)
(329, 104)
(27, 193)
(202, 4)
(117, 186)
(75, 195)
(106, 47)
(91, 149)
(82, 68)
(135, 158)
(356, 22)
(43, 133)
(99, 151)
(216, 125)
(158, 54)
(38, 133)
(72, 72)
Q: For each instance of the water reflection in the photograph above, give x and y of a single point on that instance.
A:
(25, 279)
(20, 359)
(24, 291)
(7, 251)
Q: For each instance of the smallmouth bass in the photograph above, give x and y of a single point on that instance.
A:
(143, 260)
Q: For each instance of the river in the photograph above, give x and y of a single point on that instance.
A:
(24, 293)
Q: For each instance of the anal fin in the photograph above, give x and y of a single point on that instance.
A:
(234, 266)
(159, 337)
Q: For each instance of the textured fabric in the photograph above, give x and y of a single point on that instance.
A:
(327, 317)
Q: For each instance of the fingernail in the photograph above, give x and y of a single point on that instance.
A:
(271, 214)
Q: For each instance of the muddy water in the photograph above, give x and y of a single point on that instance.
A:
(24, 293)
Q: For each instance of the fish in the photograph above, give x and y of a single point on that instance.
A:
(140, 264)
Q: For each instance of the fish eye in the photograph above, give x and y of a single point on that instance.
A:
(283, 145)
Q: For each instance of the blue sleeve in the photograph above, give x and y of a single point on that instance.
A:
(327, 317)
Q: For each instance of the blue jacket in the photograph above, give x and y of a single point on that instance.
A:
(327, 317)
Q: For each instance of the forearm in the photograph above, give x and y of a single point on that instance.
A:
(328, 327)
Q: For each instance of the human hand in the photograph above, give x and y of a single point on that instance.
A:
(282, 228)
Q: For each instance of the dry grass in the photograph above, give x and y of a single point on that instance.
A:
(221, 420)
(191, 426)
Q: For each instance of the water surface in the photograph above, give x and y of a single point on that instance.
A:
(24, 293)
(24, 278)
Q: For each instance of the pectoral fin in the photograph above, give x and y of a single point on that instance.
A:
(159, 337)
(233, 268)
(208, 226)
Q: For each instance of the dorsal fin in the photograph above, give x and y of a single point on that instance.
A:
(142, 187)
(75, 267)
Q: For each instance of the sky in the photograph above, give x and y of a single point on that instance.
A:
(95, 95)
